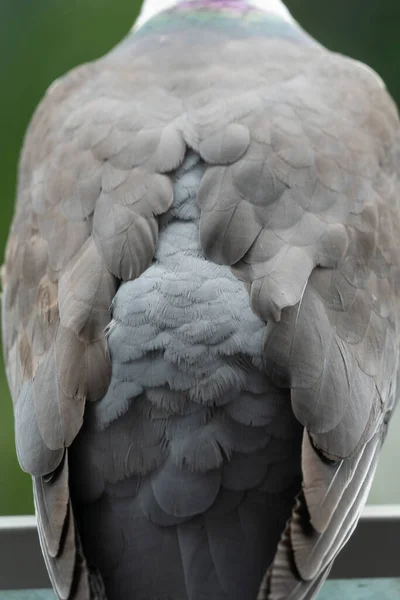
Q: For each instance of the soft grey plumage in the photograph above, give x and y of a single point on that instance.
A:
(201, 309)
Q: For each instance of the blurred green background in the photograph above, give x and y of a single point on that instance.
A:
(41, 39)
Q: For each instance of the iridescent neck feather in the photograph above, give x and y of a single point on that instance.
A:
(151, 8)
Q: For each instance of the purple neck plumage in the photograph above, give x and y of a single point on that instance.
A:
(152, 8)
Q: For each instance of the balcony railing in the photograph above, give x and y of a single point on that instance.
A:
(373, 552)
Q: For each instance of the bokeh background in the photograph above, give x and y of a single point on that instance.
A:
(41, 39)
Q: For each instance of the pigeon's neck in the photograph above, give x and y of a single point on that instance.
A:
(151, 8)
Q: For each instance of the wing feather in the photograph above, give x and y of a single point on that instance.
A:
(307, 219)
(88, 199)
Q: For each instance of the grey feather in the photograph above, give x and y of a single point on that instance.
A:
(33, 454)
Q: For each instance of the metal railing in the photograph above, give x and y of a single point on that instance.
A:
(373, 551)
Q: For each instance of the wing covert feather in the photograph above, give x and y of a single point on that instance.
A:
(89, 192)
(307, 219)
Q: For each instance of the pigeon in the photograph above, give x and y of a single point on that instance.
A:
(201, 307)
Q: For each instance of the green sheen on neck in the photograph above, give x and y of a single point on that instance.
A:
(152, 8)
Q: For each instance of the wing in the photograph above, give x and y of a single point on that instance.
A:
(308, 219)
(77, 229)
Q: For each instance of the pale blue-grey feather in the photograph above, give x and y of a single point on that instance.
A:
(179, 319)
(189, 426)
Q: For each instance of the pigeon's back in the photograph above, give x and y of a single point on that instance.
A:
(201, 309)
(197, 460)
